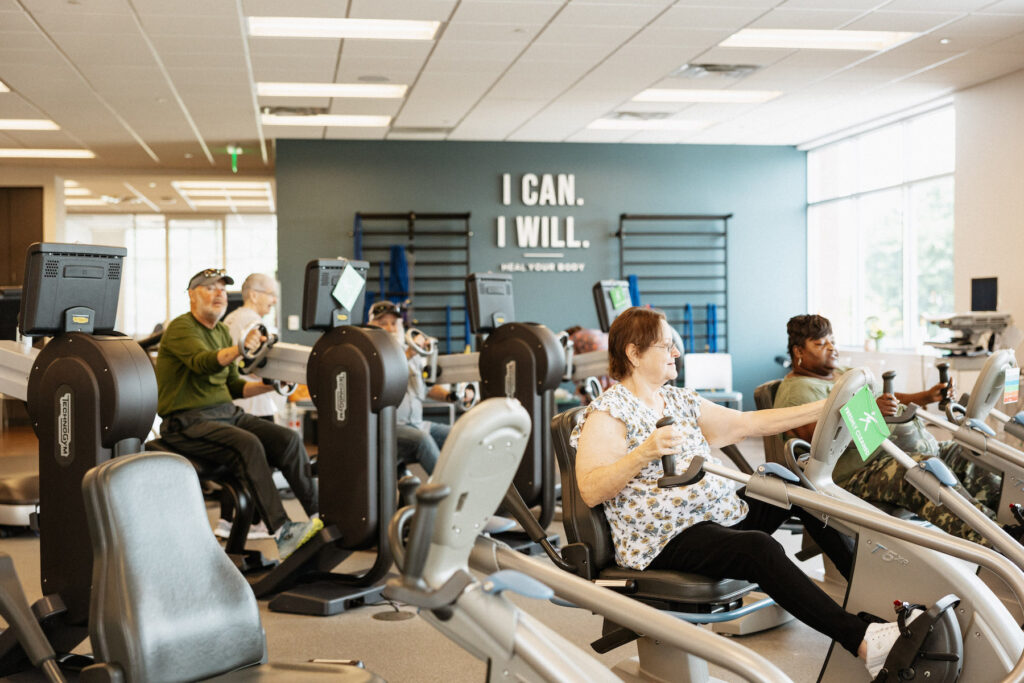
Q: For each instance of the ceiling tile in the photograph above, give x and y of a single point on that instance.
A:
(511, 13)
(414, 10)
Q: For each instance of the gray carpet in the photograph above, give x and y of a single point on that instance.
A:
(411, 650)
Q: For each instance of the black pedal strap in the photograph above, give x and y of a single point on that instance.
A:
(907, 649)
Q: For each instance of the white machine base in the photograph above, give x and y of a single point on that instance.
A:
(16, 515)
(761, 620)
(664, 665)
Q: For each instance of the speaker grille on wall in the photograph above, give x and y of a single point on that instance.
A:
(51, 269)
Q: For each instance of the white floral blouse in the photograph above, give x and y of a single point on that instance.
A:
(644, 517)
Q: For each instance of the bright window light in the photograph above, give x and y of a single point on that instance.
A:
(816, 39)
(76, 192)
(319, 27)
(381, 90)
(28, 124)
(692, 95)
(647, 124)
(24, 153)
(355, 121)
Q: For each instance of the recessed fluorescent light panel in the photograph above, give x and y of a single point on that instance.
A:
(76, 192)
(225, 185)
(94, 201)
(376, 90)
(648, 124)
(319, 27)
(339, 120)
(816, 40)
(3, 87)
(199, 194)
(28, 124)
(24, 153)
(694, 95)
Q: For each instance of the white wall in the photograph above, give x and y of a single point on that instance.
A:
(989, 236)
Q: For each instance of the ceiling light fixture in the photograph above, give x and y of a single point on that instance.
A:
(225, 185)
(648, 124)
(808, 39)
(695, 95)
(76, 192)
(91, 201)
(3, 87)
(379, 90)
(228, 193)
(25, 153)
(320, 27)
(28, 124)
(247, 203)
(348, 120)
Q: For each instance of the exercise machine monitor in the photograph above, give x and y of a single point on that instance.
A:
(334, 293)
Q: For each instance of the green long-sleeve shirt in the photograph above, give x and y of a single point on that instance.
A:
(188, 375)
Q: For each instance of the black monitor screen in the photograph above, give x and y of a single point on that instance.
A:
(334, 293)
(611, 298)
(70, 286)
(983, 293)
(489, 297)
(10, 303)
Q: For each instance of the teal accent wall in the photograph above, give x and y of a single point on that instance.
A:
(321, 184)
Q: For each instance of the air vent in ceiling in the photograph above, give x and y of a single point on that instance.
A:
(421, 130)
(294, 111)
(705, 70)
(640, 115)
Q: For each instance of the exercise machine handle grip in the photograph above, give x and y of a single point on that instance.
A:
(428, 497)
(943, 369)
(887, 381)
(693, 474)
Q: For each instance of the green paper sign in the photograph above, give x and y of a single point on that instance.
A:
(865, 422)
(618, 297)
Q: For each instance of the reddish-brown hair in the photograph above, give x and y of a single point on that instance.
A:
(639, 326)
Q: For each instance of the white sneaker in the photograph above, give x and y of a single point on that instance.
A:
(223, 528)
(257, 532)
(879, 639)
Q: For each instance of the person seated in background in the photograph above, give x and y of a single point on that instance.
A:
(707, 527)
(197, 378)
(419, 440)
(880, 479)
(584, 341)
(259, 295)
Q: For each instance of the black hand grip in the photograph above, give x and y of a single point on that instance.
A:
(693, 473)
(887, 381)
(428, 497)
(909, 412)
(943, 379)
(668, 462)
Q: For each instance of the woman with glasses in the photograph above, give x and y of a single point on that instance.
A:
(707, 527)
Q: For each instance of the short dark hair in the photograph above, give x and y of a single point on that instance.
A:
(803, 327)
(639, 326)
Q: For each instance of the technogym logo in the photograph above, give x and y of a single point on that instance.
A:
(341, 395)
(64, 426)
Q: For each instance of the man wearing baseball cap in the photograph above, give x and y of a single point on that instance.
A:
(197, 378)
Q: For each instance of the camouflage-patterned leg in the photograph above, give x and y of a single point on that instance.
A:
(881, 481)
(983, 484)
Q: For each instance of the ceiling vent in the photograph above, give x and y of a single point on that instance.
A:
(421, 130)
(640, 115)
(705, 70)
(293, 111)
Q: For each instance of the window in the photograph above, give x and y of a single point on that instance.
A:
(880, 230)
(164, 252)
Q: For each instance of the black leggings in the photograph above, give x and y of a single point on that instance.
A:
(747, 551)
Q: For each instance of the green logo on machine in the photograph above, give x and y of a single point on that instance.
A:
(618, 297)
(865, 422)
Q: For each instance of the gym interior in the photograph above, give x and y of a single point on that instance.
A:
(500, 179)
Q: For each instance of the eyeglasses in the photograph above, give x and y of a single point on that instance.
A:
(212, 272)
(668, 347)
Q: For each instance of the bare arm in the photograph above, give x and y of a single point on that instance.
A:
(255, 389)
(603, 467)
(722, 426)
